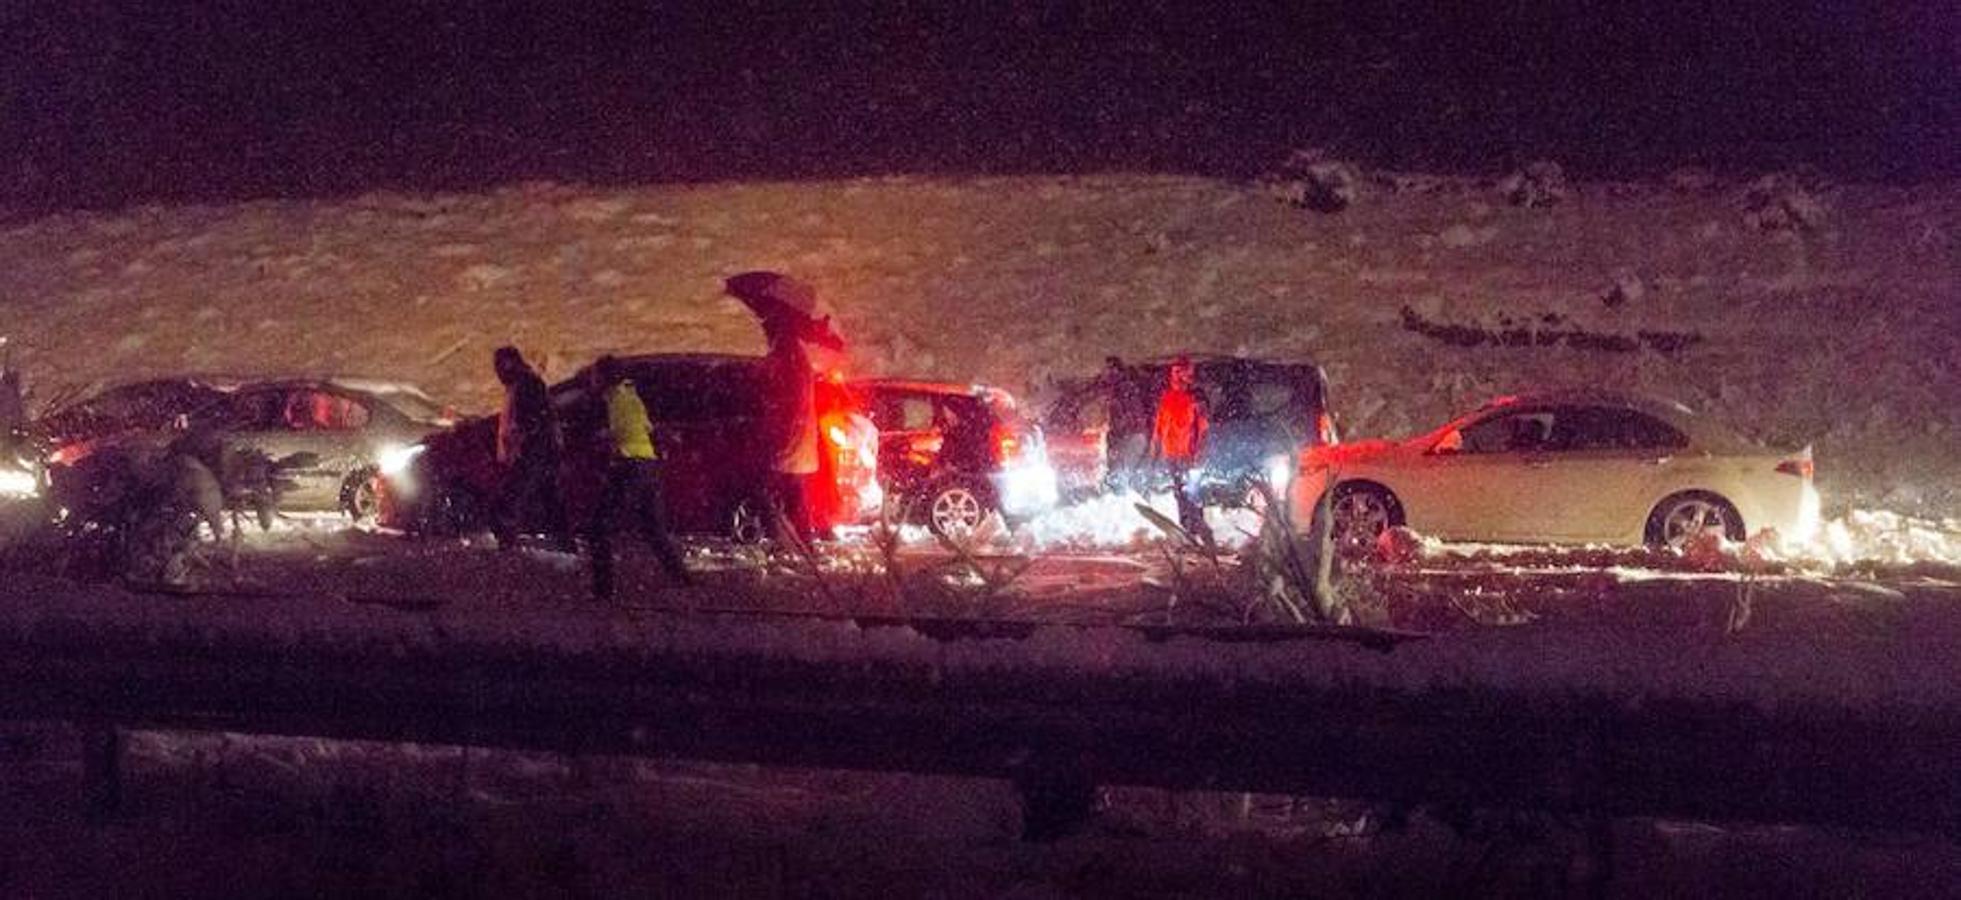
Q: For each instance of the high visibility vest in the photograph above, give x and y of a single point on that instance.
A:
(626, 420)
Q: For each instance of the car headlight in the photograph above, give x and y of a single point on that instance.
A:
(19, 483)
(1279, 471)
(395, 461)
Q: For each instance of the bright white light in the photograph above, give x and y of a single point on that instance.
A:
(1279, 472)
(395, 461)
(1028, 488)
(871, 498)
(18, 483)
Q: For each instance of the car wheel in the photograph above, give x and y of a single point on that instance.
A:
(359, 497)
(957, 509)
(1362, 513)
(1680, 518)
(747, 524)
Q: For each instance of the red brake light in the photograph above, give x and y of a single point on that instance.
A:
(1324, 427)
(1007, 446)
(1803, 468)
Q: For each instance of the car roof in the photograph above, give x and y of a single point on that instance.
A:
(1659, 406)
(1214, 359)
(963, 389)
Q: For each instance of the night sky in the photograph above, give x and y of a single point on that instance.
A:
(108, 102)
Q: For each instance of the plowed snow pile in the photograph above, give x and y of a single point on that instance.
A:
(1842, 333)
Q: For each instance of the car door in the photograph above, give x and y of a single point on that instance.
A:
(1483, 484)
(1606, 464)
(283, 421)
(909, 446)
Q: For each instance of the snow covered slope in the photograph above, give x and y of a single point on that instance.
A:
(1845, 335)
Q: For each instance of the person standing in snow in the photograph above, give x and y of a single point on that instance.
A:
(13, 400)
(785, 307)
(1177, 437)
(632, 480)
(528, 448)
(1130, 424)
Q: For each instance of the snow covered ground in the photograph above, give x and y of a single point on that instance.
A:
(1843, 334)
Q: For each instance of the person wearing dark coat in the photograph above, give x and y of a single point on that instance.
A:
(528, 450)
(13, 398)
(786, 309)
(633, 483)
(1129, 437)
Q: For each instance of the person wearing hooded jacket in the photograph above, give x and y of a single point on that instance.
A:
(528, 450)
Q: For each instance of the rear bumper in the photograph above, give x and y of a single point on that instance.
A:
(1794, 513)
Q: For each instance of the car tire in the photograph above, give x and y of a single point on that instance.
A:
(955, 509)
(1363, 511)
(748, 525)
(1680, 517)
(359, 498)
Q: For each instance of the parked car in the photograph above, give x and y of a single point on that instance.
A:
(1571, 467)
(348, 425)
(708, 412)
(1263, 414)
(952, 454)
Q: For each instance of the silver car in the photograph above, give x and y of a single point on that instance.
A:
(1570, 467)
(351, 426)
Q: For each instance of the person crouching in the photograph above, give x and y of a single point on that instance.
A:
(633, 481)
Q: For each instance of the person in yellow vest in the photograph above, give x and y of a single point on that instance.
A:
(633, 485)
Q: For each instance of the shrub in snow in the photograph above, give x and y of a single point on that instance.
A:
(1398, 546)
(1313, 179)
(1627, 288)
(1784, 201)
(1540, 183)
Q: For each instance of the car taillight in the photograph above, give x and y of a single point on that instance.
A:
(1803, 468)
(1324, 427)
(1007, 445)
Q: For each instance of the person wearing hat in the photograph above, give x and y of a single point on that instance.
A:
(528, 447)
(632, 480)
(786, 308)
(1177, 437)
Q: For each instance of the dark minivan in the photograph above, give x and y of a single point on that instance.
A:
(1263, 414)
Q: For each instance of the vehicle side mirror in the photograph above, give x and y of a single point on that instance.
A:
(1451, 444)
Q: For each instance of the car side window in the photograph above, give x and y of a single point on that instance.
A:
(914, 414)
(314, 410)
(1526, 431)
(1614, 428)
(247, 411)
(1084, 410)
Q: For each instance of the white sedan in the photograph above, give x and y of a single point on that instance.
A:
(1566, 468)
